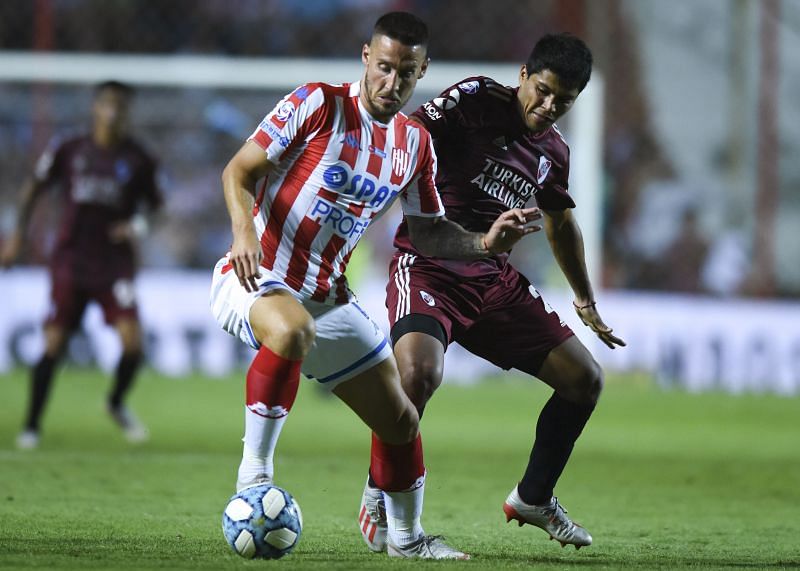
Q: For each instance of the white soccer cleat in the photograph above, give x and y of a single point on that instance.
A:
(426, 547)
(551, 517)
(372, 518)
(135, 432)
(28, 440)
(257, 480)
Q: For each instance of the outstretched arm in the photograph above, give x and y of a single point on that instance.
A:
(442, 238)
(566, 242)
(13, 245)
(239, 180)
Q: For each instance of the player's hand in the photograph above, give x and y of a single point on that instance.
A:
(510, 227)
(246, 258)
(591, 318)
(10, 251)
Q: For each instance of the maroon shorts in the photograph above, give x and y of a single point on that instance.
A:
(68, 301)
(500, 318)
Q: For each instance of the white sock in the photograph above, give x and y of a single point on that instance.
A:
(260, 439)
(403, 513)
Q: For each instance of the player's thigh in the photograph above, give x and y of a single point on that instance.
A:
(420, 360)
(572, 372)
(517, 328)
(67, 305)
(270, 315)
(281, 323)
(130, 333)
(376, 396)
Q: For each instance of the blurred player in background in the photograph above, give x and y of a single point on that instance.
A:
(499, 147)
(107, 184)
(338, 156)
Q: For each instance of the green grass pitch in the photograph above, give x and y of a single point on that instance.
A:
(662, 479)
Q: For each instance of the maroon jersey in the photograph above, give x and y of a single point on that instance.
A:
(99, 188)
(489, 162)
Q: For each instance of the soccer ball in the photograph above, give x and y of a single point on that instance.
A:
(262, 521)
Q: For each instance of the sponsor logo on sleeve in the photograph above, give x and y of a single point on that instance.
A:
(285, 111)
(448, 101)
(430, 111)
(469, 87)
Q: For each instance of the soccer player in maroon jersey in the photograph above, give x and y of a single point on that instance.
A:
(497, 148)
(337, 156)
(107, 184)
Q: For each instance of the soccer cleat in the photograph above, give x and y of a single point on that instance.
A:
(135, 432)
(257, 480)
(426, 547)
(551, 517)
(372, 518)
(28, 439)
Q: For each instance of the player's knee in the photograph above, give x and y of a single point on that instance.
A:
(291, 337)
(404, 429)
(592, 385)
(420, 380)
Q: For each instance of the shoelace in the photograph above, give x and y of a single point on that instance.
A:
(557, 515)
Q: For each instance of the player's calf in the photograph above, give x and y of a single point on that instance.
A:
(550, 517)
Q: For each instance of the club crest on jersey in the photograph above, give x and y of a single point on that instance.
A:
(427, 298)
(544, 168)
(400, 161)
(469, 87)
(285, 111)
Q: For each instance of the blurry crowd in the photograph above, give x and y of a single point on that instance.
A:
(657, 229)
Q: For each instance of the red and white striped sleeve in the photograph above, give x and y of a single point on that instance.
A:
(420, 197)
(296, 117)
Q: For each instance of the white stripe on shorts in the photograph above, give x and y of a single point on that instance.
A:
(402, 280)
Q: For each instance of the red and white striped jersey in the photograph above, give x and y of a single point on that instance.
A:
(337, 169)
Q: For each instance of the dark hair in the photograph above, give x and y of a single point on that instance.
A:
(123, 88)
(403, 27)
(565, 55)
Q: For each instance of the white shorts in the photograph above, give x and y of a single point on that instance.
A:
(347, 342)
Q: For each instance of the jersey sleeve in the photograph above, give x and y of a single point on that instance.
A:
(451, 113)
(420, 197)
(295, 117)
(50, 164)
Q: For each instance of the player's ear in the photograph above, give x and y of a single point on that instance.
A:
(423, 68)
(523, 73)
(365, 54)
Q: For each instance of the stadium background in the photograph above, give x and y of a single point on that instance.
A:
(695, 194)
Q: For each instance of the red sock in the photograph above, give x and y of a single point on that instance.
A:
(396, 467)
(272, 383)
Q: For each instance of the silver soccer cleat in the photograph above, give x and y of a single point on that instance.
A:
(257, 480)
(372, 518)
(552, 518)
(426, 547)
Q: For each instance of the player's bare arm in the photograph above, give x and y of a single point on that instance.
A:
(566, 242)
(442, 238)
(13, 245)
(239, 180)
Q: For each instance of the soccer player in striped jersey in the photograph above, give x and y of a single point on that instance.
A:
(335, 157)
(499, 148)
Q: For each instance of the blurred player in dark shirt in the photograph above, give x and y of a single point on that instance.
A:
(106, 184)
(498, 148)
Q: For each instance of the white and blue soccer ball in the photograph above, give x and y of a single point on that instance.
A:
(262, 521)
